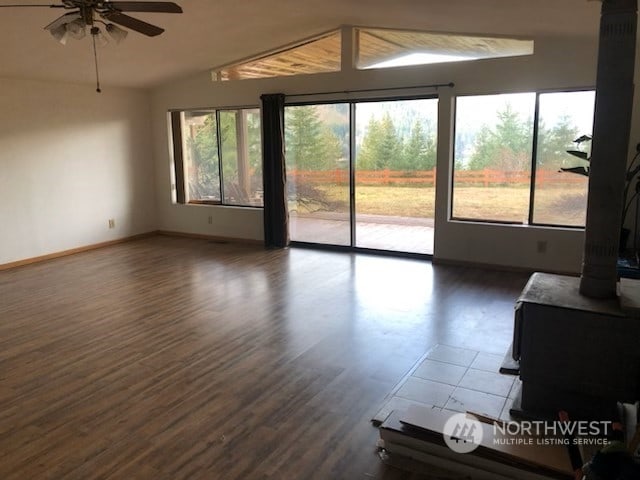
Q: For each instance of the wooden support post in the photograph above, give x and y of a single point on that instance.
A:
(242, 147)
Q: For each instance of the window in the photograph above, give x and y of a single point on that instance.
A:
(241, 157)
(492, 175)
(374, 48)
(317, 143)
(218, 157)
(361, 174)
(496, 177)
(387, 48)
(561, 197)
(200, 157)
(316, 55)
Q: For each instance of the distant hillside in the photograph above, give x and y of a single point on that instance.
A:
(404, 114)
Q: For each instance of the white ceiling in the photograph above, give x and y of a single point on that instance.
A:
(211, 33)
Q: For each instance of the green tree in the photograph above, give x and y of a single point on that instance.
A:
(507, 146)
(205, 180)
(390, 147)
(331, 147)
(255, 139)
(485, 149)
(310, 144)
(381, 146)
(553, 143)
(370, 145)
(228, 142)
(419, 153)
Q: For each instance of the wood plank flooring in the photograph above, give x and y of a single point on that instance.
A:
(171, 358)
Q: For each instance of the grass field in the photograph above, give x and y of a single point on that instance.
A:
(561, 205)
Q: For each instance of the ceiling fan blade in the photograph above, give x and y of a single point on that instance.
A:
(155, 7)
(63, 20)
(48, 5)
(133, 23)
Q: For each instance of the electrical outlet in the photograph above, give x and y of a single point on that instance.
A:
(210, 220)
(112, 223)
(541, 246)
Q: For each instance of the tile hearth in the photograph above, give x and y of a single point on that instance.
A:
(457, 380)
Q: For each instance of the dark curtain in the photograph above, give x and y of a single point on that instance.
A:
(178, 163)
(276, 216)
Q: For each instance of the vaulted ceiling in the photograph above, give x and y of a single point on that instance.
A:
(211, 33)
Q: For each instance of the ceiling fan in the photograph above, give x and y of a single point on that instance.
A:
(89, 15)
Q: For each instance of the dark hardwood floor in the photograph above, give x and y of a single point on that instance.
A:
(170, 358)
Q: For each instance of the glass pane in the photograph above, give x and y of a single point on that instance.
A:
(561, 197)
(317, 56)
(387, 48)
(395, 175)
(200, 152)
(241, 154)
(492, 171)
(317, 158)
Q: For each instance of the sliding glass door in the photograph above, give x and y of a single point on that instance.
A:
(362, 174)
(318, 173)
(395, 175)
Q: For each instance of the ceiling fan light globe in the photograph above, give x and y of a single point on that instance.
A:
(76, 29)
(116, 33)
(60, 34)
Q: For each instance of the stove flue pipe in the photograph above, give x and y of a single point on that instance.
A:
(610, 146)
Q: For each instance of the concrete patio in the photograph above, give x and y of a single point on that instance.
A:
(400, 234)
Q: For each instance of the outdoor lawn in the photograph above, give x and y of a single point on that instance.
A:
(557, 205)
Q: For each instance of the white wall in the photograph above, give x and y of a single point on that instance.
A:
(557, 63)
(70, 159)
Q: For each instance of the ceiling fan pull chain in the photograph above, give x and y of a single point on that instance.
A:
(86, 13)
(95, 59)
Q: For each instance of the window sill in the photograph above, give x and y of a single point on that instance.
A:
(495, 223)
(220, 204)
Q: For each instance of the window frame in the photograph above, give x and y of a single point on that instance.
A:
(182, 191)
(352, 103)
(358, 62)
(233, 71)
(532, 166)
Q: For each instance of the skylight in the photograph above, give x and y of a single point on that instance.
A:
(375, 48)
(317, 55)
(383, 48)
(419, 59)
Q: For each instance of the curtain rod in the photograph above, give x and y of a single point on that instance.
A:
(366, 90)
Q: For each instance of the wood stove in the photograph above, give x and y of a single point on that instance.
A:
(577, 340)
(576, 354)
